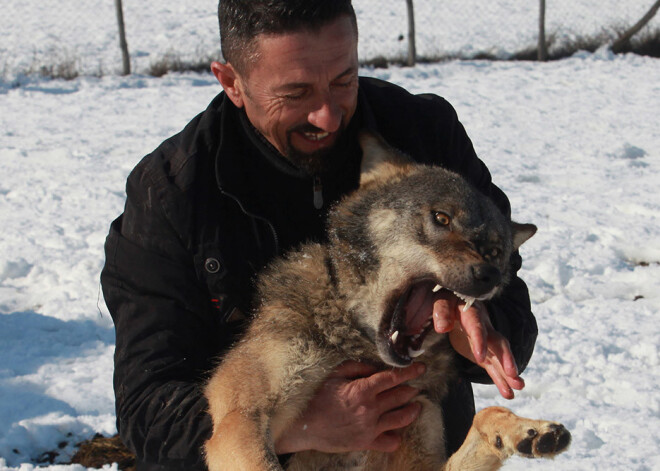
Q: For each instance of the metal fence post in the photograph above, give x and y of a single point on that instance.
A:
(412, 53)
(543, 46)
(123, 45)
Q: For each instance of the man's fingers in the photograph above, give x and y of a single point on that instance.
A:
(399, 418)
(491, 350)
(444, 312)
(499, 355)
(353, 370)
(395, 398)
(387, 442)
(505, 383)
(476, 327)
(500, 366)
(517, 383)
(499, 380)
(384, 380)
(502, 350)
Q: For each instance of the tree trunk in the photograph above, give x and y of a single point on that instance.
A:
(412, 54)
(123, 45)
(625, 37)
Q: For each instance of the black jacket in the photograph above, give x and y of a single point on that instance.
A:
(210, 207)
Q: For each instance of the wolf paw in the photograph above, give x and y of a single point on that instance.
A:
(510, 434)
(545, 441)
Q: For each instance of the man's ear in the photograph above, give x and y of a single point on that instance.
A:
(380, 161)
(230, 81)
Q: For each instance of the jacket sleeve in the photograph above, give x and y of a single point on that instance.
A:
(166, 333)
(511, 311)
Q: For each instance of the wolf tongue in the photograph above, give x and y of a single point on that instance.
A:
(418, 308)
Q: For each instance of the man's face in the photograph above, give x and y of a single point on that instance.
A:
(301, 92)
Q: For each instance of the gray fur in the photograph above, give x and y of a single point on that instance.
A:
(325, 304)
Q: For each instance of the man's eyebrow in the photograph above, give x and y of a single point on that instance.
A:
(351, 70)
(298, 85)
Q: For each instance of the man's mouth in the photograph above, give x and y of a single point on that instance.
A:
(313, 135)
(411, 319)
(316, 136)
(313, 149)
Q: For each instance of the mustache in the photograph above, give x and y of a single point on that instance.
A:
(306, 127)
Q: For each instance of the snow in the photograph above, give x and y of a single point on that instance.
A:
(574, 144)
(84, 33)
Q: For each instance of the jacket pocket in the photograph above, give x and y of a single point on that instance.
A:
(225, 296)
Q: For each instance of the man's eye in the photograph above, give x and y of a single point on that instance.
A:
(345, 83)
(294, 96)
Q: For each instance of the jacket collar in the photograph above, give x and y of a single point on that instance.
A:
(238, 142)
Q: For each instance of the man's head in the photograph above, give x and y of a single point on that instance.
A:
(292, 65)
(242, 21)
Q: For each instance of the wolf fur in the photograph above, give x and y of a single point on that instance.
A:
(407, 232)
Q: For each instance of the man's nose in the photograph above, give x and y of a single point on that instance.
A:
(327, 115)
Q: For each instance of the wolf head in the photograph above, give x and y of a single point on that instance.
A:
(407, 233)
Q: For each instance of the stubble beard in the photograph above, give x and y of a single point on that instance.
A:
(318, 162)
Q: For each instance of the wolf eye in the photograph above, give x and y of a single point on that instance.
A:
(441, 218)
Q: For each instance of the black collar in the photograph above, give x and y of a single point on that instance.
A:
(240, 146)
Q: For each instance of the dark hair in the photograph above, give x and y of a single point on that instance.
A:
(241, 21)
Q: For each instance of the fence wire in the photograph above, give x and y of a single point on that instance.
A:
(42, 36)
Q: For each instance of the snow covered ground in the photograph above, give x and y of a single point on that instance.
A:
(575, 144)
(83, 33)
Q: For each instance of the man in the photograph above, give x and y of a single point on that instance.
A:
(250, 178)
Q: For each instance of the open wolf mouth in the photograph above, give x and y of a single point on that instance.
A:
(411, 319)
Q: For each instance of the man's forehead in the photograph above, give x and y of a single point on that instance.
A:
(331, 50)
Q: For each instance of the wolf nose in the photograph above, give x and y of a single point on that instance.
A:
(486, 276)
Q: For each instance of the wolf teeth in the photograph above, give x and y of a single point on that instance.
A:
(437, 288)
(415, 353)
(469, 300)
(394, 336)
(468, 304)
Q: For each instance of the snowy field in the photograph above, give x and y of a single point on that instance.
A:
(575, 144)
(83, 33)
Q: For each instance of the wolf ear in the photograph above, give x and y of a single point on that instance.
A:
(521, 233)
(380, 161)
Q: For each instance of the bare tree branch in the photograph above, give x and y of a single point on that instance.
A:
(618, 45)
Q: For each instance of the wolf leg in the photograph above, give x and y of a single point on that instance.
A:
(498, 433)
(241, 395)
(237, 443)
(423, 446)
(263, 385)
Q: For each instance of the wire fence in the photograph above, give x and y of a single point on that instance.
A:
(497, 29)
(81, 36)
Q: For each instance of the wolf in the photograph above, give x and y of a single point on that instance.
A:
(408, 232)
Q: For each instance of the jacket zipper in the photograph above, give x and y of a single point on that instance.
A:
(317, 188)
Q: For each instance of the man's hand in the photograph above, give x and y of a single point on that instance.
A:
(473, 336)
(357, 408)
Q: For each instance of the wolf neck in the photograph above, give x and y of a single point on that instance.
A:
(335, 319)
(307, 282)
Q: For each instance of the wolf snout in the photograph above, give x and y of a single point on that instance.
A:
(485, 277)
